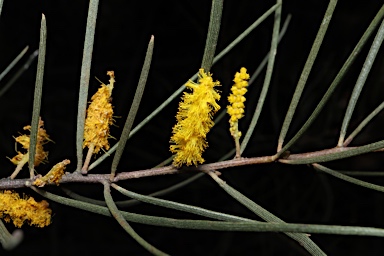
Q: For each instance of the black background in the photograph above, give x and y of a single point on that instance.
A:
(295, 193)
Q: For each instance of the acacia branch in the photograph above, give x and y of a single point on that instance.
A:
(302, 158)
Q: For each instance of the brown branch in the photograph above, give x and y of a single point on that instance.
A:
(7, 183)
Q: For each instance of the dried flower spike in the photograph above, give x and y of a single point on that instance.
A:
(236, 109)
(40, 156)
(99, 117)
(54, 175)
(21, 210)
(194, 120)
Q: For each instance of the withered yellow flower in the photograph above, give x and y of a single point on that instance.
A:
(194, 120)
(54, 175)
(99, 117)
(24, 140)
(237, 99)
(24, 210)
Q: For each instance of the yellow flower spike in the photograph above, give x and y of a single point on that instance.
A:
(24, 210)
(194, 120)
(40, 155)
(99, 118)
(236, 109)
(54, 175)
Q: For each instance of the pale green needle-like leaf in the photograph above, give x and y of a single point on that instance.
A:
(213, 34)
(19, 72)
(266, 58)
(84, 79)
(13, 63)
(178, 206)
(352, 180)
(362, 173)
(337, 153)
(363, 124)
(37, 96)
(361, 81)
(134, 107)
(131, 202)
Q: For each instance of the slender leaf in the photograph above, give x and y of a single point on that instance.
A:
(131, 202)
(37, 95)
(362, 173)
(265, 60)
(213, 34)
(178, 206)
(134, 107)
(344, 177)
(363, 124)
(306, 71)
(84, 79)
(361, 81)
(19, 72)
(245, 33)
(326, 156)
(13, 63)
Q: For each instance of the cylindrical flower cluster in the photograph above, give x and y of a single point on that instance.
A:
(99, 117)
(21, 210)
(237, 99)
(194, 120)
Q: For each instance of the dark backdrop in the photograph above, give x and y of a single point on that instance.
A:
(294, 193)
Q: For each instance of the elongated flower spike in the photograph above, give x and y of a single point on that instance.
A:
(236, 109)
(40, 156)
(99, 118)
(24, 210)
(194, 120)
